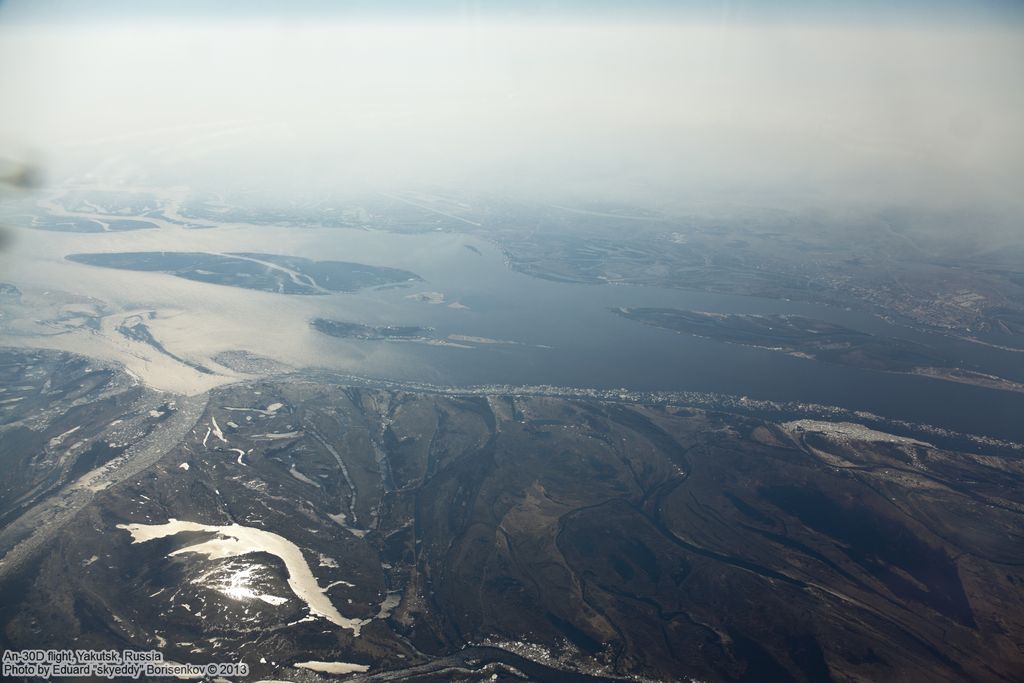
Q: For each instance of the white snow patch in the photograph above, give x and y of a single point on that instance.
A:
(216, 430)
(333, 667)
(233, 540)
(302, 477)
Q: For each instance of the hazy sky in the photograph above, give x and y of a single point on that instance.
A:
(913, 12)
(706, 101)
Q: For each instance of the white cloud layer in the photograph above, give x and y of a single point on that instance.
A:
(765, 114)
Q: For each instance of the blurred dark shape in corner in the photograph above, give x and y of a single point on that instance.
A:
(21, 176)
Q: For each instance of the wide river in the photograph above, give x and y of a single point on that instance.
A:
(564, 333)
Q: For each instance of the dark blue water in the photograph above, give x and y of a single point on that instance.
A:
(592, 347)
